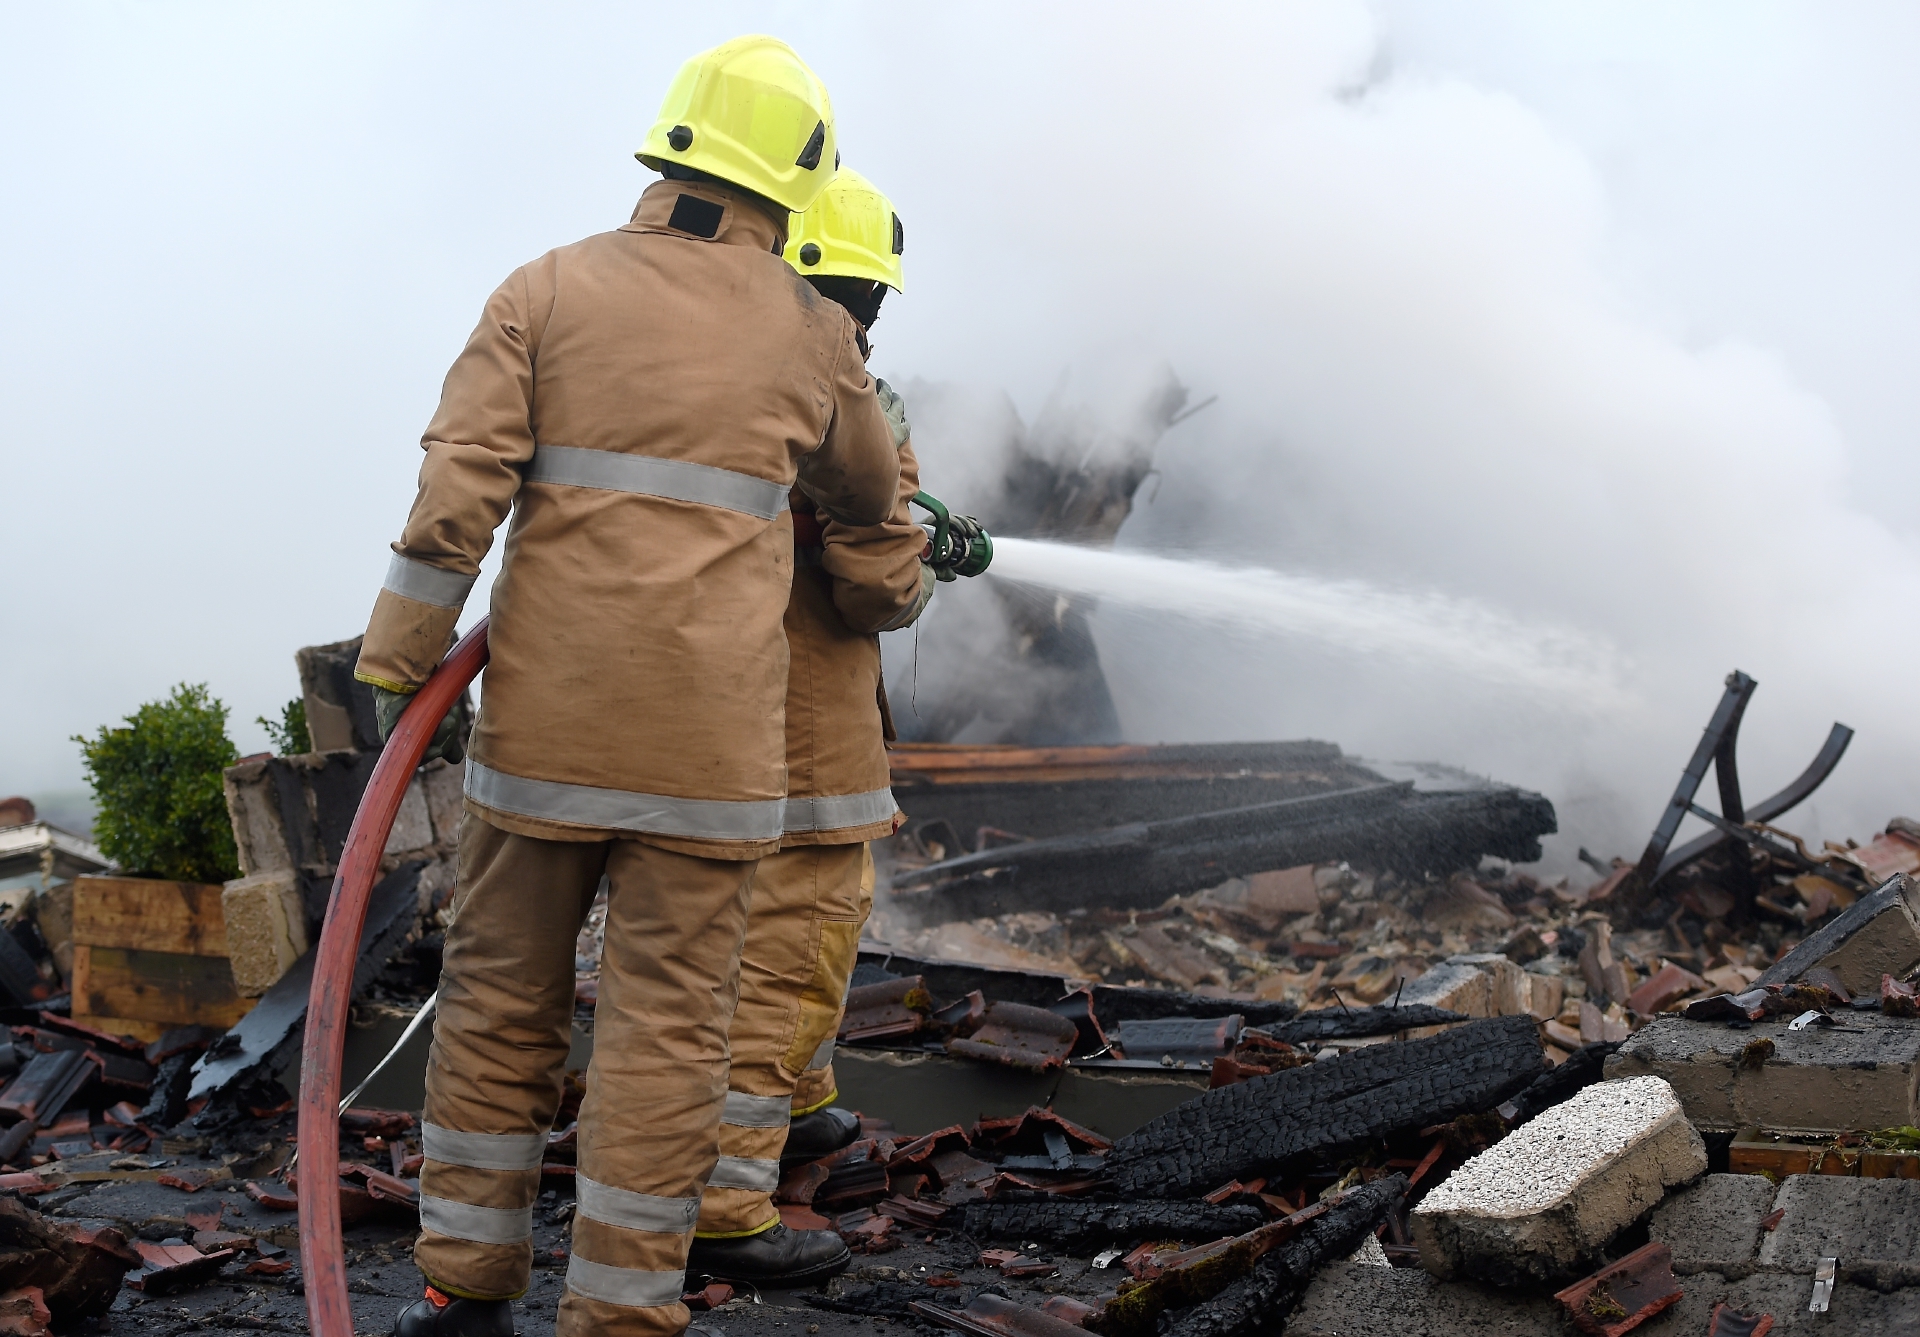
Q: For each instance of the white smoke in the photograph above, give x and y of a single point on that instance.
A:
(1431, 378)
(1594, 318)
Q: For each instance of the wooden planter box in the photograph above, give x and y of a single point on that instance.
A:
(149, 955)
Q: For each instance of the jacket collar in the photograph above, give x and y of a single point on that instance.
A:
(740, 223)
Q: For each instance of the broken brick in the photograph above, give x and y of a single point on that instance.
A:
(24, 1313)
(1623, 1295)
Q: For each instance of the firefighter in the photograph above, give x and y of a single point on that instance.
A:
(811, 900)
(644, 402)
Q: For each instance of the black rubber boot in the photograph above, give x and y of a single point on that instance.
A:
(818, 1134)
(455, 1318)
(778, 1257)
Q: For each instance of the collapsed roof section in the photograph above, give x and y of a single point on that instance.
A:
(1128, 826)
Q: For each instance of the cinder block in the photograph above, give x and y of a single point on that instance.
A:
(253, 807)
(1479, 984)
(1349, 1299)
(1538, 1206)
(1458, 988)
(266, 929)
(1871, 1225)
(1855, 1311)
(1714, 1226)
(412, 828)
(1876, 935)
(446, 799)
(1546, 995)
(1817, 1080)
(1509, 992)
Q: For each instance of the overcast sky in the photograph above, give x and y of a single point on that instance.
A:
(1602, 315)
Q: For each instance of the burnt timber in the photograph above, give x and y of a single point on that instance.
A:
(1188, 818)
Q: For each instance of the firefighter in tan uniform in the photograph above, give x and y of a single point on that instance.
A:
(811, 900)
(643, 402)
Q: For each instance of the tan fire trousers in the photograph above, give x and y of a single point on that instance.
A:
(803, 931)
(649, 1127)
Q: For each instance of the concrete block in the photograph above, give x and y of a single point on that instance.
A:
(1458, 988)
(1537, 1206)
(1871, 1225)
(1817, 1080)
(1876, 935)
(1475, 984)
(1349, 1299)
(253, 808)
(1856, 1311)
(1546, 995)
(446, 799)
(266, 926)
(412, 827)
(1714, 1226)
(1509, 992)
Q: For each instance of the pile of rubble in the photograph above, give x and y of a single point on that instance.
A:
(1197, 1040)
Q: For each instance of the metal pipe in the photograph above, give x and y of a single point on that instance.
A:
(322, 1264)
(413, 1026)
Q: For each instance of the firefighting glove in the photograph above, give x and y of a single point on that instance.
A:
(896, 410)
(963, 550)
(447, 742)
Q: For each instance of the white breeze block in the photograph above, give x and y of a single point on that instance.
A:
(1537, 1206)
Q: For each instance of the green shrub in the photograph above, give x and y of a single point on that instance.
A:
(288, 734)
(162, 812)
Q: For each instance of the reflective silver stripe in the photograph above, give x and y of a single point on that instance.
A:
(740, 1172)
(636, 1211)
(834, 812)
(821, 1056)
(619, 809)
(482, 1151)
(745, 1111)
(623, 1285)
(676, 480)
(485, 1225)
(427, 584)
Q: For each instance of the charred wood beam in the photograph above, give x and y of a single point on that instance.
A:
(1261, 1300)
(1113, 1003)
(1078, 1225)
(1387, 826)
(1581, 1069)
(1352, 1023)
(1270, 1124)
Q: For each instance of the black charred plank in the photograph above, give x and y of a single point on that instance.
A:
(1261, 1300)
(1581, 1069)
(1383, 826)
(1076, 1225)
(947, 980)
(1342, 1023)
(1287, 1119)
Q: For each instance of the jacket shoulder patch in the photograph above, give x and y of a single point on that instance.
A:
(696, 217)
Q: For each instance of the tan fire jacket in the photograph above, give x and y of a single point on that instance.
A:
(643, 401)
(852, 582)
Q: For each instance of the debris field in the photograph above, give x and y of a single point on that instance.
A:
(1200, 1040)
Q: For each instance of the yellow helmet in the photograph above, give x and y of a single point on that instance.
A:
(852, 230)
(749, 112)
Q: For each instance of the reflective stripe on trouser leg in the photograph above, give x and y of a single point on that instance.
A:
(650, 1124)
(500, 1041)
(803, 931)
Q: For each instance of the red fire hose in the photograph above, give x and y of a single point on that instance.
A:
(321, 1260)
